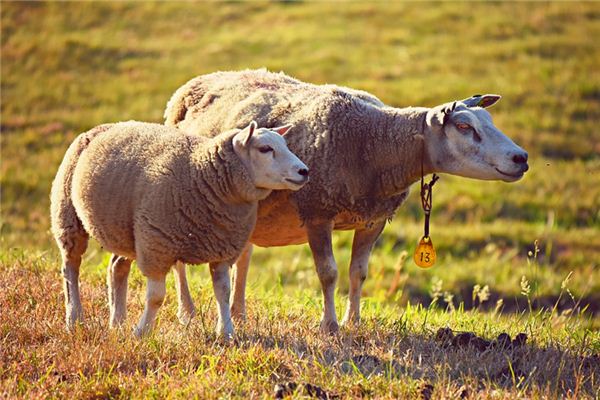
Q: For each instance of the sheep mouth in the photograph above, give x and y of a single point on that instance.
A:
(298, 182)
(518, 175)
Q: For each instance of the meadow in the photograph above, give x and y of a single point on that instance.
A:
(512, 258)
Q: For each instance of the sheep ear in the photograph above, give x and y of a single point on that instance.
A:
(248, 136)
(438, 116)
(484, 101)
(282, 130)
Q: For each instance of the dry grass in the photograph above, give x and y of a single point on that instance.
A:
(393, 354)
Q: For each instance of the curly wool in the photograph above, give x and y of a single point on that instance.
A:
(362, 155)
(146, 186)
(65, 224)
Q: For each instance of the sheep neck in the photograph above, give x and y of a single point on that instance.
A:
(217, 165)
(405, 158)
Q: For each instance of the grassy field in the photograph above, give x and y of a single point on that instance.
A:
(512, 258)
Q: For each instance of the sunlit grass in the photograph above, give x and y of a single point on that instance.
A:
(391, 354)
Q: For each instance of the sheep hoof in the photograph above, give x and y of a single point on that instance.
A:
(70, 326)
(116, 324)
(350, 322)
(117, 321)
(185, 316)
(140, 333)
(330, 327)
(74, 318)
(238, 315)
(225, 335)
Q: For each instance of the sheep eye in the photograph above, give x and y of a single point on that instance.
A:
(265, 149)
(462, 126)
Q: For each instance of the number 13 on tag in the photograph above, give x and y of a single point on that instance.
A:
(425, 253)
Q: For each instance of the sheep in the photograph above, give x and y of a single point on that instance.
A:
(152, 193)
(363, 158)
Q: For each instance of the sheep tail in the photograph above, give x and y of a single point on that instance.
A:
(66, 225)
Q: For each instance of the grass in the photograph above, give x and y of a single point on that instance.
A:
(69, 66)
(391, 355)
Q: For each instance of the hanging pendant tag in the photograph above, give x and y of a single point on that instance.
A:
(425, 253)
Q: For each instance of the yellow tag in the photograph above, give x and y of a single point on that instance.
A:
(425, 253)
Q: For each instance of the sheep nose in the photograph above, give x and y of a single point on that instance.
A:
(303, 171)
(520, 158)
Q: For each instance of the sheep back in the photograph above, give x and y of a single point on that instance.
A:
(346, 137)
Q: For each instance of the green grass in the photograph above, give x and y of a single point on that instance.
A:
(67, 67)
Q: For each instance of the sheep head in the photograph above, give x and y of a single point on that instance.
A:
(461, 139)
(267, 158)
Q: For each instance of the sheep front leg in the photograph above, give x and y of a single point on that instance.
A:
(220, 277)
(363, 242)
(319, 240)
(155, 295)
(118, 273)
(185, 309)
(239, 276)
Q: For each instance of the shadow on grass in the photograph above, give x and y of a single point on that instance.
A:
(394, 356)
(463, 294)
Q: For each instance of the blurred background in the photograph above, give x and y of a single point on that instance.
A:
(67, 67)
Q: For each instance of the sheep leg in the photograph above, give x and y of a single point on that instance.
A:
(220, 277)
(185, 309)
(155, 295)
(363, 242)
(72, 247)
(118, 273)
(70, 271)
(239, 276)
(319, 239)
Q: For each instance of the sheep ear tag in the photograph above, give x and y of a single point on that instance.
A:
(425, 255)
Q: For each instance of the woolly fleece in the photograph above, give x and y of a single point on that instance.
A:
(362, 155)
(180, 197)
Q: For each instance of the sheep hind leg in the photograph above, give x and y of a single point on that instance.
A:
(118, 273)
(319, 239)
(221, 285)
(362, 245)
(155, 295)
(185, 309)
(72, 251)
(239, 276)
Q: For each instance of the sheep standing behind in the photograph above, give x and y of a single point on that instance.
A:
(151, 193)
(363, 158)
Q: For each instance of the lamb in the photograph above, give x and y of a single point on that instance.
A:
(152, 193)
(363, 158)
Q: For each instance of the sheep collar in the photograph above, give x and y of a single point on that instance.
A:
(425, 254)
(426, 199)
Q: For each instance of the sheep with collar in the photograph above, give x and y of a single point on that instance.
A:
(152, 193)
(363, 158)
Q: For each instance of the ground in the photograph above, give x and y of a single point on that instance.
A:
(514, 258)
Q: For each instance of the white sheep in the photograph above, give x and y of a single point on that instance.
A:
(363, 158)
(151, 193)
